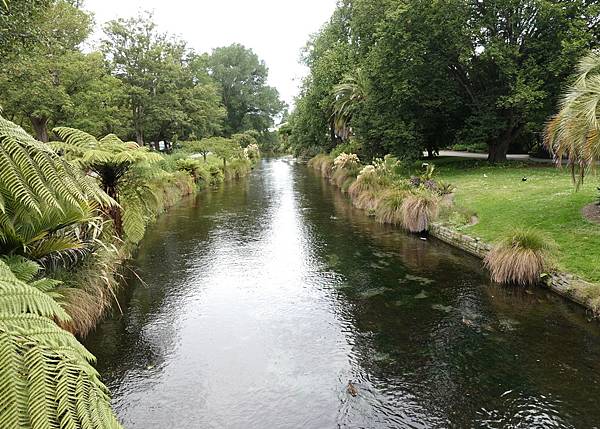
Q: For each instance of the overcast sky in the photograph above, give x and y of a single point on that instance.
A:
(275, 29)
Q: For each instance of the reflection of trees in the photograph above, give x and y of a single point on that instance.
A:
(139, 337)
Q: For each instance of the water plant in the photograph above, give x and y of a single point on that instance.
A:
(521, 257)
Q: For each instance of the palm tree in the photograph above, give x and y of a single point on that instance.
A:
(119, 167)
(574, 133)
(347, 96)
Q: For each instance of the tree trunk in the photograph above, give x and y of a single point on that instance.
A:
(114, 212)
(139, 136)
(40, 127)
(497, 151)
(498, 146)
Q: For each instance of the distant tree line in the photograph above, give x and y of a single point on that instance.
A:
(141, 84)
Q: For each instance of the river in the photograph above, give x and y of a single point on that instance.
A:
(261, 300)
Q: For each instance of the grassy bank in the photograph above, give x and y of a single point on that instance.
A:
(531, 213)
(546, 201)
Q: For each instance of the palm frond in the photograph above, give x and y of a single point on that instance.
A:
(574, 132)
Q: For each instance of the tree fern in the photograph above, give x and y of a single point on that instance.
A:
(46, 203)
(46, 378)
(117, 165)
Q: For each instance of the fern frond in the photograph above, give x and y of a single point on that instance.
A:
(46, 378)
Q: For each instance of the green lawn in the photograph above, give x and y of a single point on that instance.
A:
(547, 201)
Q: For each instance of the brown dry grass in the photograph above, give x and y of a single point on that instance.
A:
(419, 209)
(389, 209)
(521, 258)
(323, 164)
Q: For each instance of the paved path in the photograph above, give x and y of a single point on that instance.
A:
(512, 157)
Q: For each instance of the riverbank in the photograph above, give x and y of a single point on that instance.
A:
(490, 201)
(91, 288)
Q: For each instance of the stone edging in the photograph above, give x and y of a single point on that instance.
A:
(566, 285)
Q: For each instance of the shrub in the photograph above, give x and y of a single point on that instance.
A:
(345, 166)
(345, 161)
(419, 209)
(367, 180)
(389, 208)
(216, 175)
(252, 152)
(191, 166)
(520, 258)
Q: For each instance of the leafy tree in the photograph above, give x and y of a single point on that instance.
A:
(250, 102)
(244, 139)
(118, 166)
(575, 131)
(37, 82)
(203, 147)
(225, 149)
(169, 91)
(18, 27)
(442, 71)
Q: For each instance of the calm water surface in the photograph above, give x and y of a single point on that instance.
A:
(263, 299)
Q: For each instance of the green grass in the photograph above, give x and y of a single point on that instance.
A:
(547, 202)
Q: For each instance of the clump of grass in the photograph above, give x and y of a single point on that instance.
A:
(367, 200)
(389, 209)
(323, 164)
(347, 183)
(419, 209)
(342, 174)
(521, 257)
(367, 181)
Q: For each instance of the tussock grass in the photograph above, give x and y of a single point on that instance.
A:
(520, 258)
(90, 290)
(419, 210)
(389, 208)
(341, 175)
(367, 200)
(323, 164)
(364, 183)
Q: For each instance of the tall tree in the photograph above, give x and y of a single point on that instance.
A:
(250, 102)
(168, 87)
(37, 81)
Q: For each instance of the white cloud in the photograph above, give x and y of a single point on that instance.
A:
(275, 29)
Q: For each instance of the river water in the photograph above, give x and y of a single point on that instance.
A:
(263, 299)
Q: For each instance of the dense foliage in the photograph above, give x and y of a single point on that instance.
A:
(403, 76)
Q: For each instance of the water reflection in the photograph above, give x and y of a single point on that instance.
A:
(263, 299)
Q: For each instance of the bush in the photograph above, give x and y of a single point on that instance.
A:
(351, 146)
(520, 258)
(216, 175)
(419, 209)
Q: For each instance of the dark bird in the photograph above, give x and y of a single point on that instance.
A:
(524, 179)
(351, 389)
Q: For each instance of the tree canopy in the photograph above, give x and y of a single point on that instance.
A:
(242, 77)
(441, 72)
